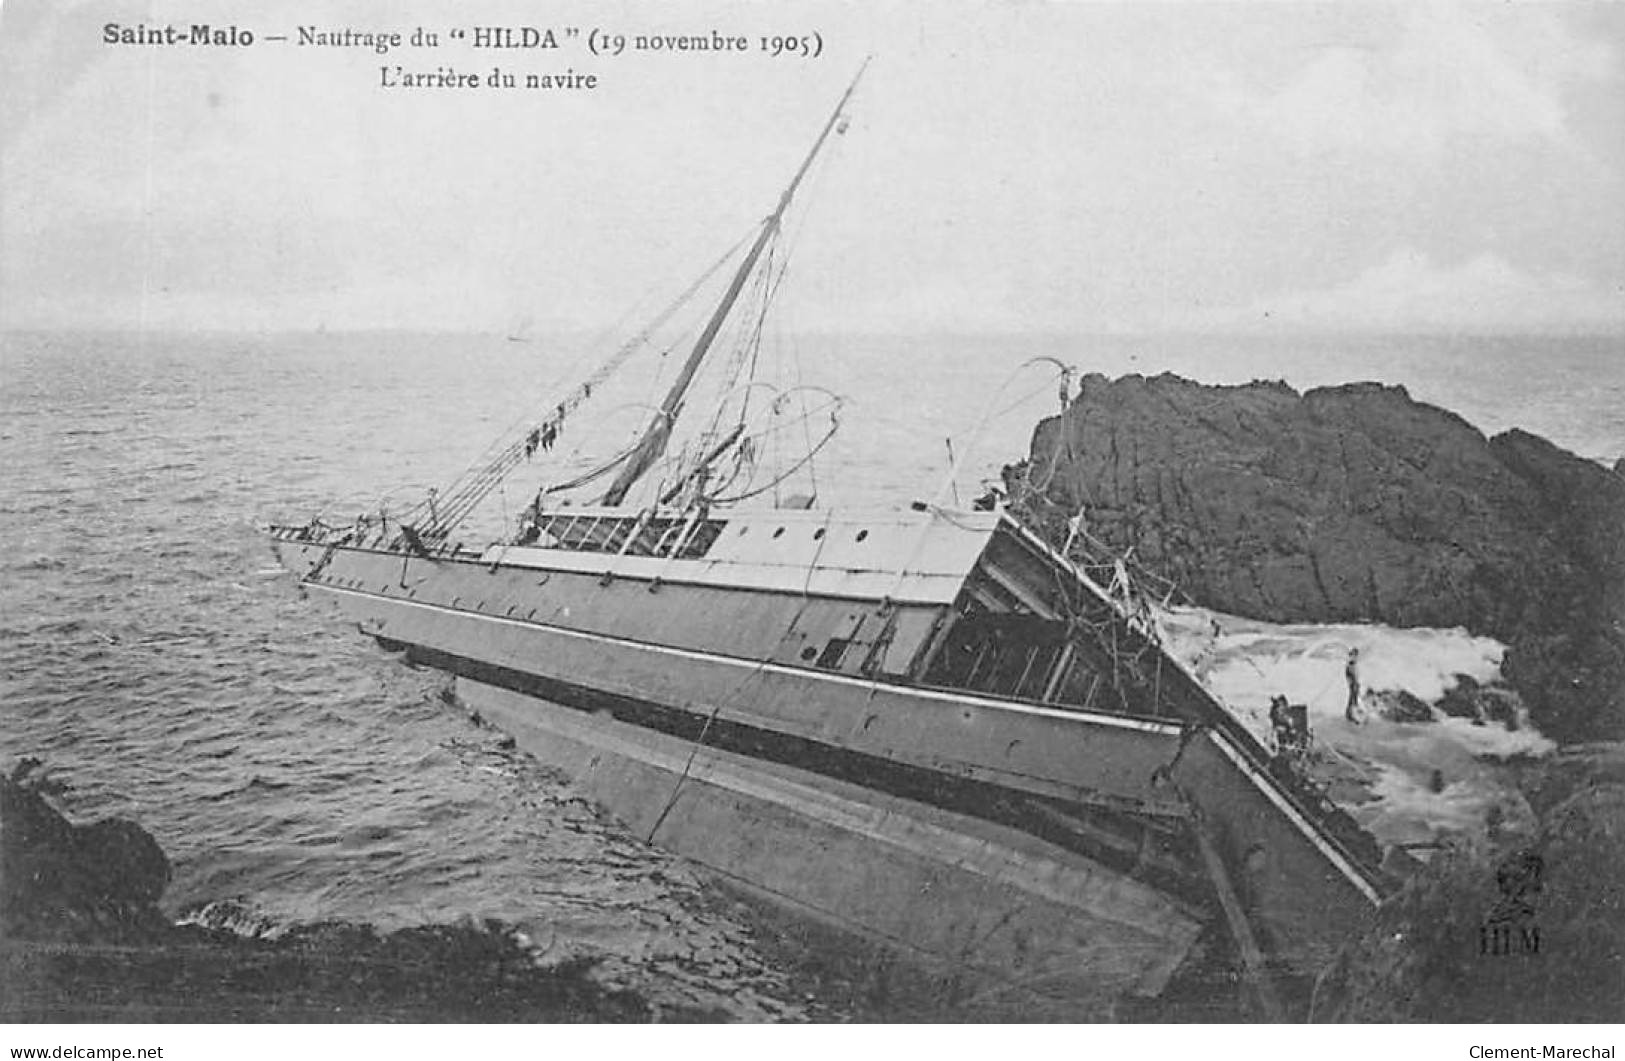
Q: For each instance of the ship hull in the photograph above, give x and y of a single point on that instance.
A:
(1008, 921)
(653, 651)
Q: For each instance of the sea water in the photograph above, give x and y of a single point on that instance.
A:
(163, 667)
(1409, 781)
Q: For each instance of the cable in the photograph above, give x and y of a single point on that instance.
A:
(466, 492)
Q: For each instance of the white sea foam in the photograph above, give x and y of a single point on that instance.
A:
(1408, 782)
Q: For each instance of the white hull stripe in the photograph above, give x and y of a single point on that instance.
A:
(907, 588)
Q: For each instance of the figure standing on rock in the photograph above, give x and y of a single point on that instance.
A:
(1351, 671)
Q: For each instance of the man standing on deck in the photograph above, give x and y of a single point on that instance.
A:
(1281, 724)
(1351, 671)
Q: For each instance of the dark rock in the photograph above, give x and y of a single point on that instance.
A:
(1354, 504)
(98, 882)
(1481, 703)
(1431, 953)
(87, 895)
(1398, 705)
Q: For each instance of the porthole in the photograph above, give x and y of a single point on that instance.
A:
(809, 652)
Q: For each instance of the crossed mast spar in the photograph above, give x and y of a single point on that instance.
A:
(436, 517)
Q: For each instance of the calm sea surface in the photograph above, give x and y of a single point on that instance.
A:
(152, 654)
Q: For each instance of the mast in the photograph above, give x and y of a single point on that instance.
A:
(653, 443)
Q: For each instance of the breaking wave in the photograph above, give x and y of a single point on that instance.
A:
(1409, 770)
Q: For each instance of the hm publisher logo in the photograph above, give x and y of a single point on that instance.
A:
(1510, 930)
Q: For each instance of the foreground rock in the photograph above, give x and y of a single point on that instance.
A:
(1351, 504)
(1525, 932)
(82, 939)
(74, 883)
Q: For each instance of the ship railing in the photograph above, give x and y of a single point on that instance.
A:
(1335, 826)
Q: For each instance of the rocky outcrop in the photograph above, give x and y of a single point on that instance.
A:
(1354, 503)
(82, 883)
(1529, 932)
(82, 939)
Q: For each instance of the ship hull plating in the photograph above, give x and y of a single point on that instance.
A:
(528, 639)
(1001, 916)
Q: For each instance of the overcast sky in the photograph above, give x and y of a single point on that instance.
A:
(1012, 166)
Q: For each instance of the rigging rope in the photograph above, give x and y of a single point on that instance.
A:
(466, 493)
(435, 517)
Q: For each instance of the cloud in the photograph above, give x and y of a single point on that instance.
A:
(1408, 291)
(1445, 72)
